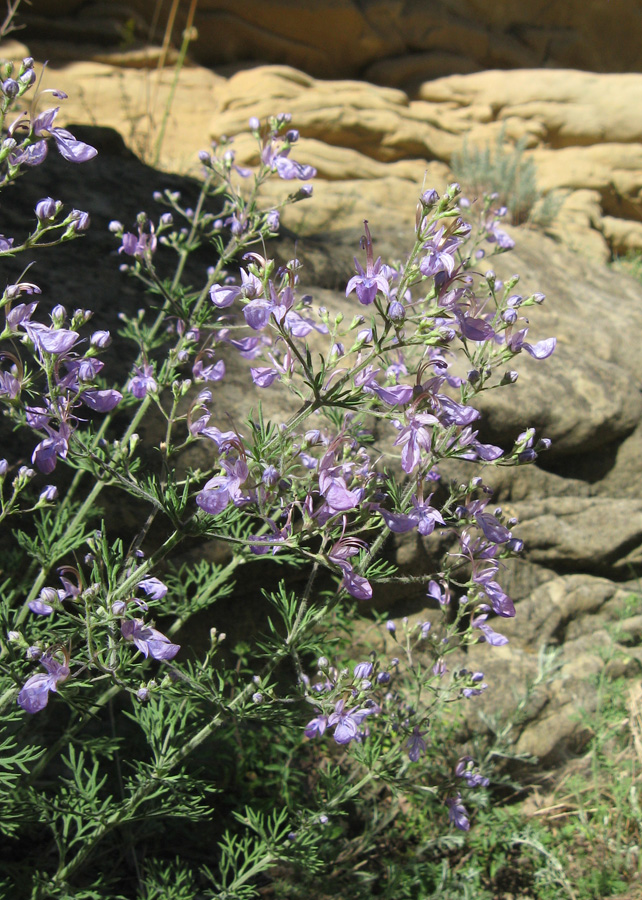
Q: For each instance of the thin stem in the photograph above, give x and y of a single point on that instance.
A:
(187, 38)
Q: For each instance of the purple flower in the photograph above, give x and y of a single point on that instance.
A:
(457, 813)
(289, 169)
(71, 149)
(272, 220)
(493, 530)
(148, 640)
(346, 722)
(33, 155)
(100, 339)
(68, 147)
(423, 517)
(356, 585)
(541, 350)
(153, 587)
(143, 381)
(79, 220)
(222, 489)
(416, 745)
(139, 246)
(212, 372)
(415, 437)
(264, 376)
(46, 452)
(396, 395)
(101, 401)
(367, 284)
(316, 727)
(497, 235)
(34, 695)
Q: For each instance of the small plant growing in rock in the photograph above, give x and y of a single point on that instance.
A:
(136, 764)
(510, 176)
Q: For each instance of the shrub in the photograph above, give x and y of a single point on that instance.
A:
(137, 766)
(508, 175)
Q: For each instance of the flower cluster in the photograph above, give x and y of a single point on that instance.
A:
(382, 404)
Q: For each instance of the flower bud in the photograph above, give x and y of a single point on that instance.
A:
(58, 314)
(79, 220)
(272, 220)
(49, 493)
(396, 311)
(46, 209)
(100, 339)
(10, 88)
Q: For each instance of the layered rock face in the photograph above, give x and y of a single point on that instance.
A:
(375, 148)
(402, 43)
(373, 145)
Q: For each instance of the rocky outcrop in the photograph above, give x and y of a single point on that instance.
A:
(373, 146)
(401, 44)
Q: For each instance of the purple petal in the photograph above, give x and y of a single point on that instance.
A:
(34, 695)
(542, 349)
(263, 377)
(288, 169)
(476, 329)
(153, 587)
(49, 339)
(493, 530)
(257, 314)
(398, 522)
(356, 585)
(71, 149)
(40, 608)
(223, 295)
(33, 155)
(396, 395)
(346, 730)
(494, 638)
(101, 401)
(213, 500)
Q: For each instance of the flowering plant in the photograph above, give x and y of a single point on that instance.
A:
(126, 719)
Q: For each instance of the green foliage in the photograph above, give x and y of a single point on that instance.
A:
(630, 263)
(510, 175)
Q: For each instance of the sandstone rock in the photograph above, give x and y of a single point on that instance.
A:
(356, 131)
(343, 38)
(553, 608)
(576, 108)
(597, 535)
(622, 235)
